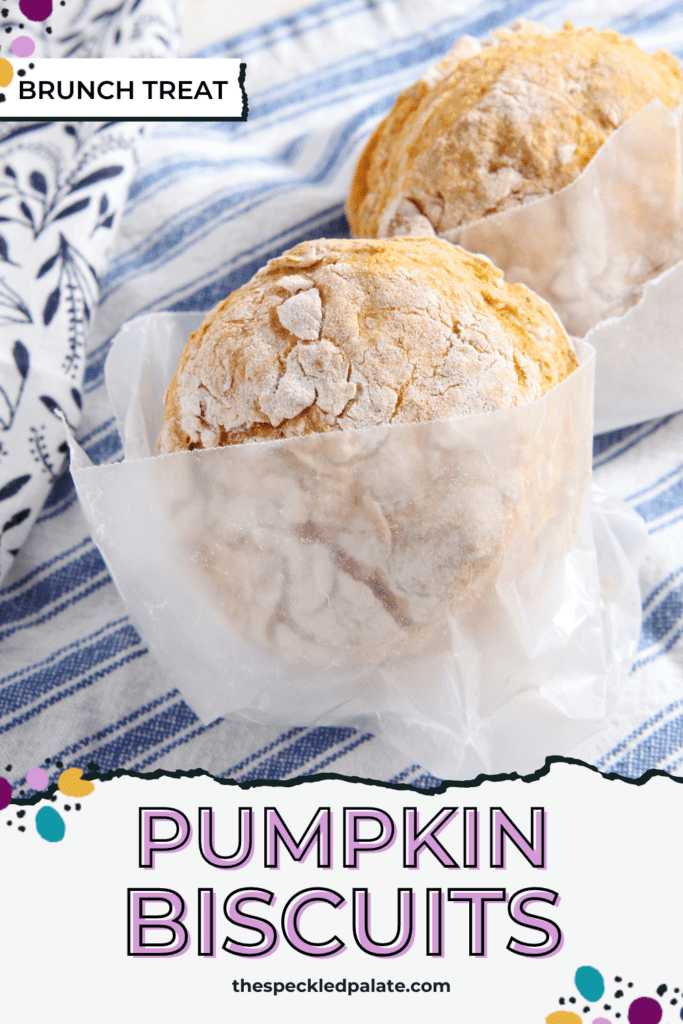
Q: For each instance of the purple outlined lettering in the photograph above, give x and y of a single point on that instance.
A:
(405, 930)
(318, 831)
(149, 844)
(416, 839)
(552, 940)
(142, 921)
(353, 844)
(291, 928)
(477, 899)
(268, 940)
(245, 839)
(503, 827)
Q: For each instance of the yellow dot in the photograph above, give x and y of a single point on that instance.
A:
(70, 783)
(563, 1017)
(6, 72)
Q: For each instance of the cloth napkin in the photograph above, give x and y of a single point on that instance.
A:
(207, 206)
(62, 188)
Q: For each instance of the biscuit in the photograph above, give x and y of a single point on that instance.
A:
(340, 545)
(337, 335)
(496, 125)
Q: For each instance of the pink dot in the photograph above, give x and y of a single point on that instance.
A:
(601, 1020)
(5, 793)
(37, 778)
(22, 46)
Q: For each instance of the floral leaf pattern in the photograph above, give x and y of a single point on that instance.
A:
(21, 358)
(62, 187)
(59, 184)
(74, 208)
(101, 175)
(102, 28)
(38, 182)
(10, 489)
(4, 251)
(12, 307)
(11, 397)
(17, 518)
(51, 306)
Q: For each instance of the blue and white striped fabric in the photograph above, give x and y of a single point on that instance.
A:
(209, 205)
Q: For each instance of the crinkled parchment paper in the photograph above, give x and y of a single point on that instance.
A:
(435, 582)
(591, 249)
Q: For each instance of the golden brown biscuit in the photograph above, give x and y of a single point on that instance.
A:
(490, 127)
(335, 335)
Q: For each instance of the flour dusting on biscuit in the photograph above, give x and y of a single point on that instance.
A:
(341, 334)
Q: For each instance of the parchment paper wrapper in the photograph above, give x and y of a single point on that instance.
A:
(606, 252)
(436, 583)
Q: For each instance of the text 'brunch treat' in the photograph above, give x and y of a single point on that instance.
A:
(341, 544)
(335, 335)
(496, 124)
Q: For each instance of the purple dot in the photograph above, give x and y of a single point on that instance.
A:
(36, 10)
(23, 46)
(5, 793)
(644, 1011)
(37, 778)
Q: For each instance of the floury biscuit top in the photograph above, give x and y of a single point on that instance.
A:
(334, 335)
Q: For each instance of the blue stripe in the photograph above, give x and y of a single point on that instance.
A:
(94, 367)
(340, 82)
(45, 565)
(298, 753)
(141, 765)
(103, 449)
(259, 753)
(51, 588)
(266, 36)
(637, 732)
(653, 750)
(208, 295)
(63, 694)
(630, 25)
(67, 752)
(601, 442)
(660, 480)
(96, 430)
(180, 167)
(175, 236)
(62, 507)
(665, 502)
(665, 526)
(671, 642)
(340, 753)
(660, 586)
(58, 609)
(61, 488)
(653, 429)
(138, 740)
(17, 695)
(402, 776)
(311, 227)
(181, 232)
(62, 650)
(426, 781)
(662, 620)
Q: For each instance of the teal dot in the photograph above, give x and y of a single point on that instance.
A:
(590, 983)
(50, 824)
